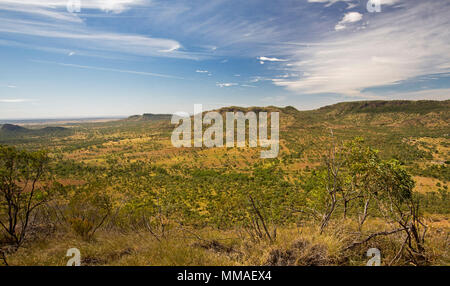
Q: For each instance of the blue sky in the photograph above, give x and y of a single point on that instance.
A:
(124, 57)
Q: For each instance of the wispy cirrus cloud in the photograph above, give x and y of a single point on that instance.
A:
(13, 100)
(388, 51)
(57, 8)
(97, 40)
(51, 20)
(110, 69)
(223, 27)
(226, 84)
(328, 2)
(352, 3)
(37, 9)
(8, 85)
(262, 60)
(204, 72)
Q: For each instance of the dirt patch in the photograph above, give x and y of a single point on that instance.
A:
(301, 253)
(215, 246)
(95, 260)
(425, 184)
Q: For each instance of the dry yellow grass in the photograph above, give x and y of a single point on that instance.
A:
(426, 184)
(294, 245)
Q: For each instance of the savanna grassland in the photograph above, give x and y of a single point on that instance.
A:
(349, 177)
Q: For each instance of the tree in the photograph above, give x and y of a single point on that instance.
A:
(355, 177)
(333, 185)
(22, 189)
(87, 209)
(397, 204)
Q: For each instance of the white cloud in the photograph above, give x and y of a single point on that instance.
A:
(13, 100)
(202, 71)
(226, 84)
(350, 17)
(8, 85)
(328, 2)
(352, 3)
(389, 2)
(339, 27)
(396, 46)
(262, 60)
(115, 6)
(266, 59)
(259, 78)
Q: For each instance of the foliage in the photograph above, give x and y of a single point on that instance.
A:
(22, 189)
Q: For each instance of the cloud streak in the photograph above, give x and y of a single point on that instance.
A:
(17, 100)
(226, 84)
(134, 44)
(49, 20)
(111, 70)
(54, 7)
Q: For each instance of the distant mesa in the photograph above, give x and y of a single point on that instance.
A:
(149, 117)
(12, 128)
(383, 106)
(167, 117)
(256, 109)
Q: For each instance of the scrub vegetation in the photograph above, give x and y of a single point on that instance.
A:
(349, 177)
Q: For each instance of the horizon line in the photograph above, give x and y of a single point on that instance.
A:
(81, 117)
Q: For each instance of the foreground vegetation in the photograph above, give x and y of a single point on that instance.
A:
(120, 193)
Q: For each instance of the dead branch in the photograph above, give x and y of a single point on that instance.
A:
(373, 235)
